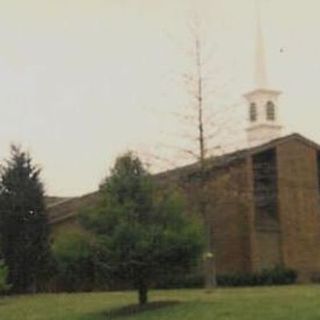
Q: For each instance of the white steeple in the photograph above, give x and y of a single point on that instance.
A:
(263, 102)
(260, 57)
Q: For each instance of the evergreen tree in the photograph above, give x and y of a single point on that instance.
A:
(141, 234)
(23, 222)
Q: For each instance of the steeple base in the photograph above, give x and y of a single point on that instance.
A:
(262, 133)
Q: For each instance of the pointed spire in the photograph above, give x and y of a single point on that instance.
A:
(260, 59)
(264, 124)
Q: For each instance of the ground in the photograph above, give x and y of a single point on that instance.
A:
(290, 302)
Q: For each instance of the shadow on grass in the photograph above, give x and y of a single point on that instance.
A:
(135, 309)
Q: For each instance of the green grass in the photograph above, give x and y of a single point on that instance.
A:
(290, 302)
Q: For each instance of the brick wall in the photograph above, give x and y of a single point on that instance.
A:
(228, 210)
(299, 210)
(242, 242)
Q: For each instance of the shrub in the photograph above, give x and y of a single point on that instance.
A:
(181, 281)
(3, 278)
(73, 255)
(275, 276)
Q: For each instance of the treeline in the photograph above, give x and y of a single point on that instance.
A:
(135, 236)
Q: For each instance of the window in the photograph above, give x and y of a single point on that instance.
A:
(253, 112)
(318, 167)
(265, 185)
(270, 111)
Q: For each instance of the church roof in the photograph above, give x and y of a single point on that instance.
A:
(63, 210)
(229, 158)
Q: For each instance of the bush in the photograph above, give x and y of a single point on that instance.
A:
(74, 263)
(274, 276)
(3, 278)
(180, 281)
(277, 275)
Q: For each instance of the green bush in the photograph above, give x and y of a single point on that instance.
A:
(275, 276)
(180, 281)
(74, 263)
(3, 278)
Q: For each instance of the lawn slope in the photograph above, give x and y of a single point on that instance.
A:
(291, 302)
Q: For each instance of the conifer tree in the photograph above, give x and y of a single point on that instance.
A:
(24, 227)
(141, 235)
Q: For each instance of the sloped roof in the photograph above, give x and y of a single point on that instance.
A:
(229, 158)
(68, 208)
(52, 201)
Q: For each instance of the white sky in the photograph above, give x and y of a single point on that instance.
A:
(82, 81)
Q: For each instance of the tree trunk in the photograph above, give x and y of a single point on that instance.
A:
(210, 273)
(209, 258)
(143, 294)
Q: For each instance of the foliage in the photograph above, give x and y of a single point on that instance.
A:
(23, 222)
(72, 252)
(180, 281)
(277, 275)
(141, 234)
(4, 286)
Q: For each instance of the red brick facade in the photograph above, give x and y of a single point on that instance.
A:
(248, 236)
(246, 242)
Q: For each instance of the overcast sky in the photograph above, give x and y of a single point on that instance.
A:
(83, 81)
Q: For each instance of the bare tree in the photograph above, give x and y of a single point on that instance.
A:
(203, 125)
(206, 84)
(198, 92)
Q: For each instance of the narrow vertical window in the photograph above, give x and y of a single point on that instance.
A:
(253, 112)
(270, 111)
(265, 185)
(318, 167)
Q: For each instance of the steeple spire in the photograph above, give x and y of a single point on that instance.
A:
(260, 58)
(263, 124)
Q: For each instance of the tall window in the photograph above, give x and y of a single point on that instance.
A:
(265, 185)
(253, 112)
(270, 111)
(318, 166)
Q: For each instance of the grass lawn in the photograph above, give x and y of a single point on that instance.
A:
(290, 302)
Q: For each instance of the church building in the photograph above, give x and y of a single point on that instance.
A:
(264, 200)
